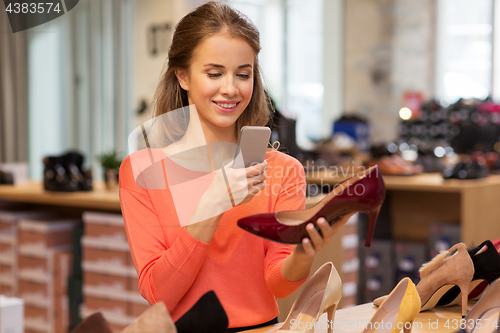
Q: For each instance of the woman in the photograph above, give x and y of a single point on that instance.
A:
(212, 65)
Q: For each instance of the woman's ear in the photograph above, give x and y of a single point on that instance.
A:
(182, 78)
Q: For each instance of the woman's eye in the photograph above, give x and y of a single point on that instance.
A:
(244, 76)
(214, 74)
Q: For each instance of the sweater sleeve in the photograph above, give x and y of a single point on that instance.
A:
(166, 271)
(291, 197)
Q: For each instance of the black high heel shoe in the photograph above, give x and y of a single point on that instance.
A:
(206, 316)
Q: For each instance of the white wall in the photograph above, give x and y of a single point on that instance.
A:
(148, 68)
(388, 49)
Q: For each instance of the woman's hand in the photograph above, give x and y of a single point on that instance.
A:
(299, 263)
(255, 182)
(316, 241)
(229, 188)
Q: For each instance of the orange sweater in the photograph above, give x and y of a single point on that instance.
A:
(244, 270)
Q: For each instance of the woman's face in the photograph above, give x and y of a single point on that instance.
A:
(219, 81)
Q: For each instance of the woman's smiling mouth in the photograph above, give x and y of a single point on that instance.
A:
(226, 107)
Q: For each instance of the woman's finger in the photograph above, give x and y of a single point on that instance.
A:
(257, 187)
(326, 230)
(256, 170)
(308, 247)
(257, 179)
(315, 237)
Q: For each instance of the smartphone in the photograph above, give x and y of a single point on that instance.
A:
(252, 145)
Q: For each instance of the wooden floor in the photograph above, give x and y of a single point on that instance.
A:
(354, 320)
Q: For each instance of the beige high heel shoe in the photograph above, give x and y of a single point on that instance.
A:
(398, 310)
(449, 268)
(155, 319)
(322, 293)
(484, 317)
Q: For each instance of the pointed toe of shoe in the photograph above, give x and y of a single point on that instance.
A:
(378, 301)
(95, 323)
(155, 319)
(268, 226)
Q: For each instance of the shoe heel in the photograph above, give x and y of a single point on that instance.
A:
(331, 315)
(372, 219)
(464, 289)
(405, 327)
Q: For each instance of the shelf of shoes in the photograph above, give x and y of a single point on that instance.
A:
(110, 282)
(44, 261)
(417, 202)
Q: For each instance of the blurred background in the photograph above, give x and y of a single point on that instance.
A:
(85, 80)
(411, 86)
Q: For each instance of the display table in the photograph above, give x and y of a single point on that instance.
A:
(418, 201)
(354, 320)
(33, 192)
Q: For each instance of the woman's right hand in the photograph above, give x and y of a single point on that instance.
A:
(230, 188)
(239, 184)
(255, 182)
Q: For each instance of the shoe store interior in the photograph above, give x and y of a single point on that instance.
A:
(389, 110)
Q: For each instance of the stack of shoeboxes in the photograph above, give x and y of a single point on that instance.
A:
(378, 268)
(44, 263)
(9, 219)
(350, 262)
(110, 282)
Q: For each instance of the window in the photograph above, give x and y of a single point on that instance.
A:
(464, 49)
(292, 57)
(80, 81)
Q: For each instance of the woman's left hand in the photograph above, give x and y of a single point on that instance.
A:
(316, 241)
(299, 262)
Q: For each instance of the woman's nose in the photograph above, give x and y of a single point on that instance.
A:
(229, 87)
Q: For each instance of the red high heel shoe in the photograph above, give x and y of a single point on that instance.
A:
(362, 193)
